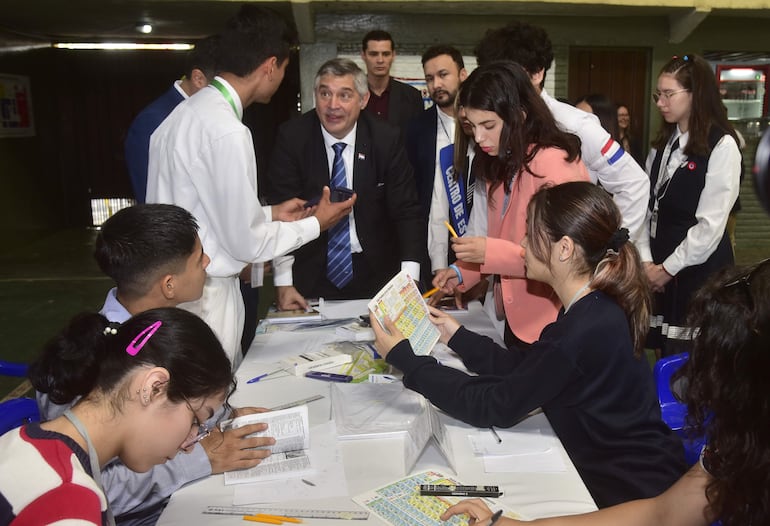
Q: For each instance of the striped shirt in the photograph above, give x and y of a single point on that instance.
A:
(46, 479)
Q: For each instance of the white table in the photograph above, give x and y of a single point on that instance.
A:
(531, 494)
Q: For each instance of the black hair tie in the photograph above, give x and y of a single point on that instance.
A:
(617, 240)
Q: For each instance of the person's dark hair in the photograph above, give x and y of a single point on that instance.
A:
(588, 215)
(517, 41)
(204, 57)
(444, 49)
(141, 243)
(695, 75)
(605, 110)
(727, 393)
(528, 125)
(252, 36)
(84, 358)
(378, 35)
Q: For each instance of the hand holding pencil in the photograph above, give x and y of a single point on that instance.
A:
(468, 249)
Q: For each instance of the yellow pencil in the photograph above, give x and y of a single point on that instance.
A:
(430, 293)
(262, 519)
(279, 518)
(451, 230)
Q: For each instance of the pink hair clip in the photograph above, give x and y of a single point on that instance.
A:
(145, 335)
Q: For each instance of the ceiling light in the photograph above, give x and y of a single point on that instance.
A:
(123, 46)
(144, 27)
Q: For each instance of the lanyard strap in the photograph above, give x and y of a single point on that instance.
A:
(96, 471)
(226, 94)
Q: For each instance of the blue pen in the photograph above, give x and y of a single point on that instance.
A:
(258, 378)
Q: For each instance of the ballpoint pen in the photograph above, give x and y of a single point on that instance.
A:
(495, 517)
(494, 433)
(265, 375)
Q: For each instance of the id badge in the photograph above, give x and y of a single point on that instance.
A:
(654, 223)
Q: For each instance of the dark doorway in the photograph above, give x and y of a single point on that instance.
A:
(622, 74)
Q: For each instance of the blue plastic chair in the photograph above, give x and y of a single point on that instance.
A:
(13, 369)
(16, 411)
(673, 411)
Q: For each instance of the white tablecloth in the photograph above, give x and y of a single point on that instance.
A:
(533, 495)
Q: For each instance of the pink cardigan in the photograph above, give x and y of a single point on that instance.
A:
(529, 305)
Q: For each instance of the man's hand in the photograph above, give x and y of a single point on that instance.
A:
(385, 341)
(234, 450)
(289, 298)
(445, 323)
(328, 213)
(470, 249)
(291, 210)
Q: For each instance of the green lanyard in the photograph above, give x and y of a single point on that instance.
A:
(226, 94)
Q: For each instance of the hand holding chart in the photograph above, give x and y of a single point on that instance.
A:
(401, 302)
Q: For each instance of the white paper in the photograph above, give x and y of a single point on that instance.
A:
(446, 356)
(289, 457)
(550, 461)
(325, 480)
(483, 442)
(274, 349)
(344, 309)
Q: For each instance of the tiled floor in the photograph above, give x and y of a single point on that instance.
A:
(45, 278)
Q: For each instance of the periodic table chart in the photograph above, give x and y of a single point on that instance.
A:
(400, 503)
(400, 300)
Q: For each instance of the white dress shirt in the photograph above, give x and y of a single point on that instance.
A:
(716, 200)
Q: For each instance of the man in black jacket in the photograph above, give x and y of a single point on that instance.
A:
(390, 100)
(340, 146)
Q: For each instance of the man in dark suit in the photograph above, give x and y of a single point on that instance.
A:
(391, 100)
(340, 146)
(429, 142)
(201, 68)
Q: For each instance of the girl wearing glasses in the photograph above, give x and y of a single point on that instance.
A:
(587, 370)
(145, 388)
(694, 172)
(727, 395)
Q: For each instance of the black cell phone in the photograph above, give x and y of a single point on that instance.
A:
(312, 202)
(340, 193)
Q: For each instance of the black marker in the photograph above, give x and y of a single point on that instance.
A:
(448, 490)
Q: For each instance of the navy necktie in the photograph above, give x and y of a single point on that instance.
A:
(339, 259)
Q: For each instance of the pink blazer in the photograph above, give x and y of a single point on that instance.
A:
(529, 305)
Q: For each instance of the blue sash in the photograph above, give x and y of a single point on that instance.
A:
(455, 190)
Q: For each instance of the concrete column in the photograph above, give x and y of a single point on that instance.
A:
(311, 56)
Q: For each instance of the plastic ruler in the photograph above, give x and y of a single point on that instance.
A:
(297, 402)
(286, 512)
